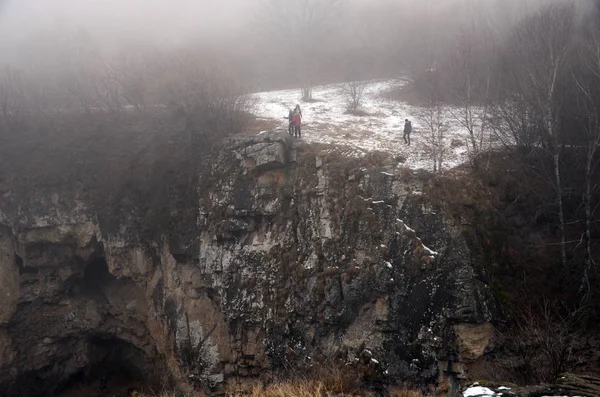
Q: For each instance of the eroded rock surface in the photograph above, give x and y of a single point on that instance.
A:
(296, 257)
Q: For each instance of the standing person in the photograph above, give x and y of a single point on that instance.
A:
(297, 122)
(407, 131)
(291, 123)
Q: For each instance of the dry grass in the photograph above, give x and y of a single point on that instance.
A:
(168, 394)
(295, 388)
(318, 381)
(301, 388)
(406, 393)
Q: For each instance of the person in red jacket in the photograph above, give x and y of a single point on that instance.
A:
(297, 120)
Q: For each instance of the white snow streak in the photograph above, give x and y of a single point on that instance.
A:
(429, 251)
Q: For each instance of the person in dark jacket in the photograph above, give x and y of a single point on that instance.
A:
(407, 131)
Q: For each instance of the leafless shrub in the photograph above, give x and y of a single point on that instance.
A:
(20, 98)
(354, 91)
(435, 134)
(468, 76)
(131, 76)
(204, 95)
(542, 343)
(307, 94)
(13, 102)
(432, 116)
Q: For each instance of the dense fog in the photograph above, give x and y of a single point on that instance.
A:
(258, 38)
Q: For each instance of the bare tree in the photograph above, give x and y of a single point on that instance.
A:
(514, 124)
(354, 92)
(12, 96)
(132, 77)
(210, 102)
(435, 140)
(432, 116)
(301, 28)
(79, 83)
(589, 107)
(469, 82)
(537, 62)
(22, 99)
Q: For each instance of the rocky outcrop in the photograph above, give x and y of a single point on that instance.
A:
(299, 255)
(473, 340)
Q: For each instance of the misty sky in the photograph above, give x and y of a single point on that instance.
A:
(29, 26)
(134, 19)
(119, 21)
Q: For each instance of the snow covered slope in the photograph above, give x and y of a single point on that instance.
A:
(325, 121)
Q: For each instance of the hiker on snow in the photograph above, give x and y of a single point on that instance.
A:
(297, 120)
(407, 131)
(291, 123)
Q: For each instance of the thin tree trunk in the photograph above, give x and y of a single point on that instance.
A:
(471, 127)
(588, 211)
(561, 215)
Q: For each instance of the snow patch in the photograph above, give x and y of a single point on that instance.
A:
(478, 391)
(325, 121)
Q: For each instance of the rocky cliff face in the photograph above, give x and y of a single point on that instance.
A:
(297, 256)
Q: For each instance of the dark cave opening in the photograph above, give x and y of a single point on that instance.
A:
(102, 360)
(116, 358)
(116, 367)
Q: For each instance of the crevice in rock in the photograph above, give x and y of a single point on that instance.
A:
(96, 277)
(184, 258)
